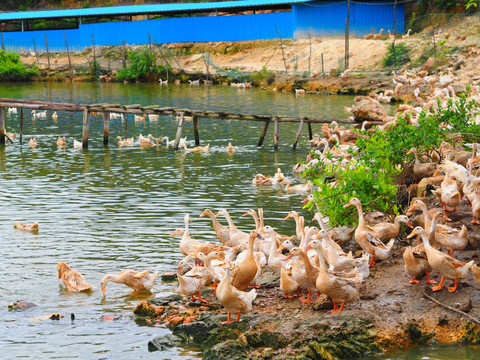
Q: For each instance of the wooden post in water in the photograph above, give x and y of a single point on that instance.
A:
(2, 125)
(21, 126)
(298, 135)
(86, 127)
(35, 48)
(195, 130)
(275, 134)
(126, 123)
(310, 133)
(264, 132)
(68, 52)
(106, 127)
(181, 121)
(3, 48)
(48, 54)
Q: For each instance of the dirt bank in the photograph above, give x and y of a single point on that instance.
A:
(314, 67)
(391, 314)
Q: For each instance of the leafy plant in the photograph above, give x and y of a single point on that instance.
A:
(11, 68)
(371, 175)
(141, 63)
(398, 54)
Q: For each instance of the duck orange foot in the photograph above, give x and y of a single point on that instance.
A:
(413, 281)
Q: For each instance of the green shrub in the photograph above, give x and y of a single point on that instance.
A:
(372, 174)
(11, 68)
(141, 64)
(401, 55)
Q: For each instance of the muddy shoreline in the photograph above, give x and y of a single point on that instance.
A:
(391, 314)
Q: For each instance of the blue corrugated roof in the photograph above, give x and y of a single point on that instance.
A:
(143, 9)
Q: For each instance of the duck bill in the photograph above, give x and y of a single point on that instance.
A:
(308, 247)
(246, 214)
(203, 213)
(409, 224)
(281, 248)
(305, 201)
(103, 290)
(412, 234)
(173, 233)
(347, 204)
(287, 217)
(436, 173)
(260, 236)
(410, 209)
(217, 214)
(446, 218)
(289, 256)
(179, 269)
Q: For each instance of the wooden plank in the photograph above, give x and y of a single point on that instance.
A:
(275, 134)
(195, 130)
(297, 136)
(68, 52)
(86, 128)
(310, 133)
(264, 132)
(181, 122)
(106, 127)
(21, 126)
(2, 125)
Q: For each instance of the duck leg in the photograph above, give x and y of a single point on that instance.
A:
(335, 309)
(428, 281)
(201, 299)
(299, 290)
(229, 320)
(450, 252)
(372, 262)
(439, 287)
(475, 221)
(238, 317)
(413, 281)
(308, 299)
(256, 286)
(454, 288)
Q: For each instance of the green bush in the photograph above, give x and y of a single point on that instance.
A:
(11, 68)
(401, 55)
(372, 174)
(141, 63)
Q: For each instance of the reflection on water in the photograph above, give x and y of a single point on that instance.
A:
(105, 209)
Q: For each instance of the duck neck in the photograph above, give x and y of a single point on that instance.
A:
(321, 260)
(260, 215)
(318, 216)
(230, 222)
(257, 223)
(417, 160)
(361, 219)
(424, 237)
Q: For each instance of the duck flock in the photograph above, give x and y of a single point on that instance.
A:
(315, 261)
(312, 259)
(143, 141)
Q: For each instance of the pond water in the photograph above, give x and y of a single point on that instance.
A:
(105, 209)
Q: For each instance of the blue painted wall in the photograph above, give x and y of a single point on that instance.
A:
(187, 29)
(328, 18)
(322, 18)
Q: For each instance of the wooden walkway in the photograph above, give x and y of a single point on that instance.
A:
(106, 109)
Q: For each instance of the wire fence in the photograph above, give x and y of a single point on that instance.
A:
(437, 36)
